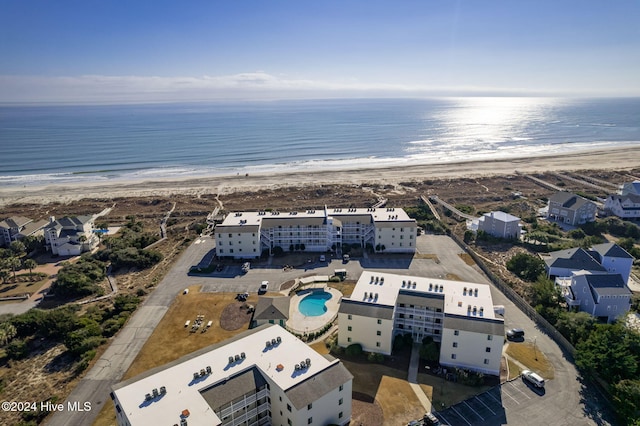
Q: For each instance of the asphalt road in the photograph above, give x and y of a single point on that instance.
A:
(565, 401)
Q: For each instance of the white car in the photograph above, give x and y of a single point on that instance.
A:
(264, 287)
(533, 378)
(322, 258)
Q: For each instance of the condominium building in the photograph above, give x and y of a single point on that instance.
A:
(247, 234)
(459, 315)
(264, 376)
(70, 236)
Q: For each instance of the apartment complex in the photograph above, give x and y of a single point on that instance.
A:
(459, 315)
(264, 376)
(244, 235)
(17, 227)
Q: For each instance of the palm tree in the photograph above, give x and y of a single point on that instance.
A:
(13, 263)
(30, 264)
(7, 332)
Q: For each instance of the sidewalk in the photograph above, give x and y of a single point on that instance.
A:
(413, 378)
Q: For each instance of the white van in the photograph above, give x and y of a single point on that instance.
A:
(533, 378)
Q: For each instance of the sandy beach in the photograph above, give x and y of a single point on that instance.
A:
(619, 158)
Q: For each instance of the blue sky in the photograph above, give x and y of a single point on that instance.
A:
(112, 51)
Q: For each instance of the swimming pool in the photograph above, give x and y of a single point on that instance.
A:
(313, 305)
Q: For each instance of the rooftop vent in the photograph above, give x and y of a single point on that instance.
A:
(163, 389)
(441, 288)
(278, 339)
(155, 392)
(403, 283)
(230, 360)
(268, 343)
(414, 285)
(430, 287)
(308, 361)
(148, 397)
(475, 292)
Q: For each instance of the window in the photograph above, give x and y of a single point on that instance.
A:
(379, 321)
(309, 407)
(349, 339)
(340, 401)
(455, 344)
(280, 401)
(340, 415)
(378, 333)
(489, 337)
(349, 316)
(288, 407)
(486, 361)
(310, 420)
(341, 387)
(230, 250)
(230, 235)
(488, 349)
(349, 328)
(377, 344)
(289, 422)
(453, 356)
(221, 251)
(456, 332)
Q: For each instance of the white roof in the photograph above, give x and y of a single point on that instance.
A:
(502, 216)
(380, 214)
(183, 392)
(382, 289)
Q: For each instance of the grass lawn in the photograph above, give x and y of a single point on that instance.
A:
(444, 393)
(531, 357)
(171, 340)
(20, 288)
(398, 401)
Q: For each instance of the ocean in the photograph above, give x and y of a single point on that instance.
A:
(42, 145)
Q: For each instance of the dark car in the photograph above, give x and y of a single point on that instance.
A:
(515, 333)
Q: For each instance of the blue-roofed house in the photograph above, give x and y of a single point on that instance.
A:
(564, 263)
(605, 296)
(630, 188)
(613, 258)
(500, 224)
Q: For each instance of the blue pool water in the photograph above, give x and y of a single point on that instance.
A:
(314, 304)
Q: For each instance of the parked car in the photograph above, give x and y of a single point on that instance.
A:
(245, 267)
(345, 258)
(533, 378)
(429, 419)
(322, 258)
(515, 333)
(263, 287)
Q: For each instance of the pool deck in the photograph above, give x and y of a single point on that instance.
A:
(300, 323)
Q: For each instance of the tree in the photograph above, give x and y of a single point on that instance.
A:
(30, 264)
(575, 326)
(469, 236)
(14, 264)
(611, 351)
(526, 266)
(18, 248)
(7, 332)
(626, 399)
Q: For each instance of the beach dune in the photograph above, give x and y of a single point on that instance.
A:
(619, 158)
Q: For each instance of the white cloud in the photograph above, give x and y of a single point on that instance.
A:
(251, 85)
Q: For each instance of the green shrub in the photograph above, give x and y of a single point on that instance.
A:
(354, 349)
(17, 349)
(375, 357)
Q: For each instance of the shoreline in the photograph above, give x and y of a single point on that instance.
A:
(618, 158)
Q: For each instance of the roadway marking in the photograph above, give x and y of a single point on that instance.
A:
(516, 388)
(496, 399)
(478, 398)
(460, 415)
(514, 400)
(470, 408)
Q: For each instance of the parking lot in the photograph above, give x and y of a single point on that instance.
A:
(492, 407)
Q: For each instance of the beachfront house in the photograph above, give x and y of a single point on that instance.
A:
(623, 206)
(500, 225)
(571, 209)
(70, 236)
(244, 235)
(630, 188)
(18, 227)
(459, 315)
(271, 310)
(605, 296)
(607, 258)
(263, 376)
